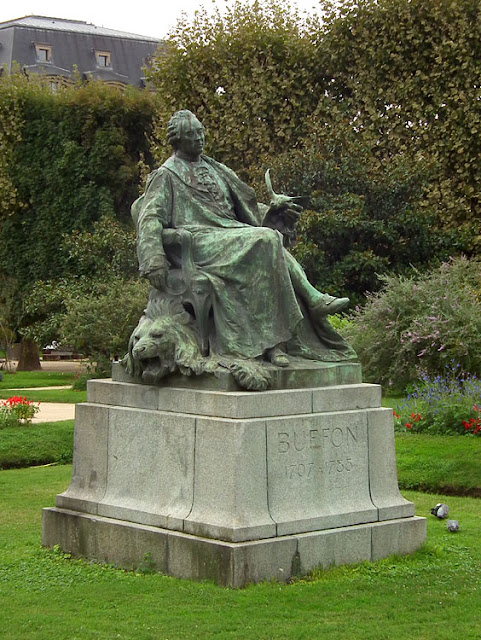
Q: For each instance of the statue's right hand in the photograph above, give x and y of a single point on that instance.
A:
(158, 278)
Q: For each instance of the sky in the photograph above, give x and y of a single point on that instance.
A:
(149, 18)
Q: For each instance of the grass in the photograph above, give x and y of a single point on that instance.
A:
(37, 444)
(433, 594)
(50, 395)
(25, 379)
(445, 464)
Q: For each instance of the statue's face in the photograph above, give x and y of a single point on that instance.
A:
(192, 138)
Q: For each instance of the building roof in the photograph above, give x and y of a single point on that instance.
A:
(72, 26)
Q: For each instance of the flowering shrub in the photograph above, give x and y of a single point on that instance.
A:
(448, 404)
(474, 425)
(16, 411)
(419, 324)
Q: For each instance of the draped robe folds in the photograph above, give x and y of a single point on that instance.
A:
(255, 305)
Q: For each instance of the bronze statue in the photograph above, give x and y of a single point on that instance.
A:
(217, 258)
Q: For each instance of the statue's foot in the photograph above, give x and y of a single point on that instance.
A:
(277, 357)
(328, 306)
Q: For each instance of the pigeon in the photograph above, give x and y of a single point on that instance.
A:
(453, 526)
(441, 511)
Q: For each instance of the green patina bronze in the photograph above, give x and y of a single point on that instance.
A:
(219, 267)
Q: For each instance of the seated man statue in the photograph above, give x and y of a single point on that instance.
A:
(262, 307)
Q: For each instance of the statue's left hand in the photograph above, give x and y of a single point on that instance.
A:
(286, 213)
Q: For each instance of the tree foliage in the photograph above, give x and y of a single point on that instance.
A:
(409, 71)
(71, 164)
(96, 307)
(250, 73)
(364, 217)
(373, 112)
(68, 158)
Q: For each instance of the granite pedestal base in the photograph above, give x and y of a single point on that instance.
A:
(233, 486)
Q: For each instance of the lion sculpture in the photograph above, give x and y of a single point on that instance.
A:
(165, 342)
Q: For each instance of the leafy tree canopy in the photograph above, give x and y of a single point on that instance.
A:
(250, 73)
(409, 72)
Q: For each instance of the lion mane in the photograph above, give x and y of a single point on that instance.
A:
(163, 342)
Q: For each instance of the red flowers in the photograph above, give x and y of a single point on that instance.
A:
(15, 401)
(17, 410)
(415, 417)
(474, 424)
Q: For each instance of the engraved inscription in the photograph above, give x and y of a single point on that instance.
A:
(339, 466)
(300, 470)
(305, 439)
(312, 453)
(318, 470)
(309, 469)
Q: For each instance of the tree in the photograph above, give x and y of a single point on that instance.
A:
(408, 71)
(95, 308)
(7, 301)
(66, 159)
(250, 74)
(364, 217)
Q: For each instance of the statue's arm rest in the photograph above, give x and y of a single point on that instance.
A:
(180, 239)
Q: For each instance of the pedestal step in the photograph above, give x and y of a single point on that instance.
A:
(298, 375)
(235, 404)
(131, 545)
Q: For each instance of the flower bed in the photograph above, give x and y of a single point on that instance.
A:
(16, 411)
(449, 405)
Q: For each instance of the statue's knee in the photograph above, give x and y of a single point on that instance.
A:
(268, 236)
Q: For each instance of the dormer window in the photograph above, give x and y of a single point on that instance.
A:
(103, 58)
(44, 52)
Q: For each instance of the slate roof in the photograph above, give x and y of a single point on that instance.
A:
(75, 47)
(73, 26)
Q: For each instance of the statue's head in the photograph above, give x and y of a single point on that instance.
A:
(186, 133)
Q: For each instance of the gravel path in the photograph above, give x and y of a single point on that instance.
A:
(54, 412)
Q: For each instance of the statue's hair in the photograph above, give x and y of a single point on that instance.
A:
(176, 125)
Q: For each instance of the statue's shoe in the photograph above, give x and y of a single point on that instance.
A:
(277, 357)
(328, 306)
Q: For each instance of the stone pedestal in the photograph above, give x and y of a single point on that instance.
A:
(234, 486)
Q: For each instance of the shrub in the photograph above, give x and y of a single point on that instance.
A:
(364, 217)
(99, 325)
(446, 405)
(420, 323)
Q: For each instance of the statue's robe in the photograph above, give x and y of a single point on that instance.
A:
(255, 305)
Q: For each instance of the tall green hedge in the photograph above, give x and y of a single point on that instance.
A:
(67, 159)
(409, 72)
(406, 73)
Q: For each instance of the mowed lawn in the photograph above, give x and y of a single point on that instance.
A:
(436, 593)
